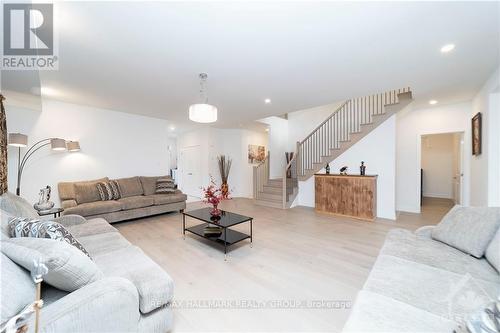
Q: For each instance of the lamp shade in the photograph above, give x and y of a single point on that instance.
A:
(57, 144)
(18, 140)
(73, 146)
(203, 113)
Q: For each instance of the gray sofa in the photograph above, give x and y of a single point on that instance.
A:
(419, 284)
(138, 199)
(133, 296)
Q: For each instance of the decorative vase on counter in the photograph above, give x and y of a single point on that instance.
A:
(362, 168)
(327, 169)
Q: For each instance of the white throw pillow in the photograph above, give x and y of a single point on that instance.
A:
(69, 268)
(493, 251)
(469, 229)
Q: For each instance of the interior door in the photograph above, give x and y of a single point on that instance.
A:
(190, 168)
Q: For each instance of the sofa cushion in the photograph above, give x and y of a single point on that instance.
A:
(99, 244)
(67, 189)
(163, 199)
(493, 251)
(69, 268)
(404, 244)
(428, 288)
(469, 229)
(17, 290)
(154, 285)
(86, 192)
(17, 206)
(35, 228)
(149, 184)
(4, 224)
(91, 227)
(130, 187)
(138, 201)
(376, 313)
(95, 208)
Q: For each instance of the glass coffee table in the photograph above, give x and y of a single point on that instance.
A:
(218, 229)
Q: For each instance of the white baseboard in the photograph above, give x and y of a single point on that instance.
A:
(439, 195)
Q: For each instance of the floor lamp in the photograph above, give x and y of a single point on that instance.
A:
(21, 140)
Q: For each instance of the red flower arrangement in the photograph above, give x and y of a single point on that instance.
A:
(213, 195)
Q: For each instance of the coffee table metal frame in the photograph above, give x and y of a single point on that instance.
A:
(230, 236)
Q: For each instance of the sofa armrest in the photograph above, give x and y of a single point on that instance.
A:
(107, 305)
(70, 220)
(425, 231)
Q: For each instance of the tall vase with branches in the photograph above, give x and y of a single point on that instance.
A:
(224, 168)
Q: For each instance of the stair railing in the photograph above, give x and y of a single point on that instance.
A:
(260, 176)
(289, 178)
(345, 120)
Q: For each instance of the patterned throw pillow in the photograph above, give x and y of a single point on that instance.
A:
(24, 227)
(105, 191)
(165, 185)
(115, 189)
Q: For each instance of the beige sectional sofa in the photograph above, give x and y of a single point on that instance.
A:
(138, 199)
(419, 284)
(133, 293)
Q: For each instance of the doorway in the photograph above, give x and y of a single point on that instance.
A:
(442, 166)
(190, 170)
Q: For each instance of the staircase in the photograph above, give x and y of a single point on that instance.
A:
(348, 124)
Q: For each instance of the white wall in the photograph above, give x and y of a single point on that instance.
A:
(484, 188)
(302, 123)
(230, 142)
(438, 163)
(113, 144)
(279, 143)
(378, 151)
(411, 125)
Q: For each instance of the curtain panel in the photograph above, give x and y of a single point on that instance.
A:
(3, 147)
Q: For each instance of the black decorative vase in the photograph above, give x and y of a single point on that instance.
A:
(327, 169)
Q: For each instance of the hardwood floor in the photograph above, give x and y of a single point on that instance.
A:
(298, 257)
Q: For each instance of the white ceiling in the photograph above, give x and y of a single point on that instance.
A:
(145, 58)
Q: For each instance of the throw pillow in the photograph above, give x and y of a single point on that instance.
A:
(69, 269)
(17, 290)
(22, 227)
(165, 185)
(469, 229)
(86, 192)
(493, 251)
(115, 189)
(104, 191)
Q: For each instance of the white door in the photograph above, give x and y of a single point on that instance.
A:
(190, 169)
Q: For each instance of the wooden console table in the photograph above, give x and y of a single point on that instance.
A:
(351, 195)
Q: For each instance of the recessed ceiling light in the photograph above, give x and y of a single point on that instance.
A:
(172, 128)
(433, 102)
(267, 129)
(267, 101)
(447, 48)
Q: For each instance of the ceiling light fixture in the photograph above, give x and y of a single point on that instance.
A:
(447, 48)
(203, 112)
(172, 128)
(267, 101)
(433, 102)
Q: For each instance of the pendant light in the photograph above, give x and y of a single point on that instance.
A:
(203, 112)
